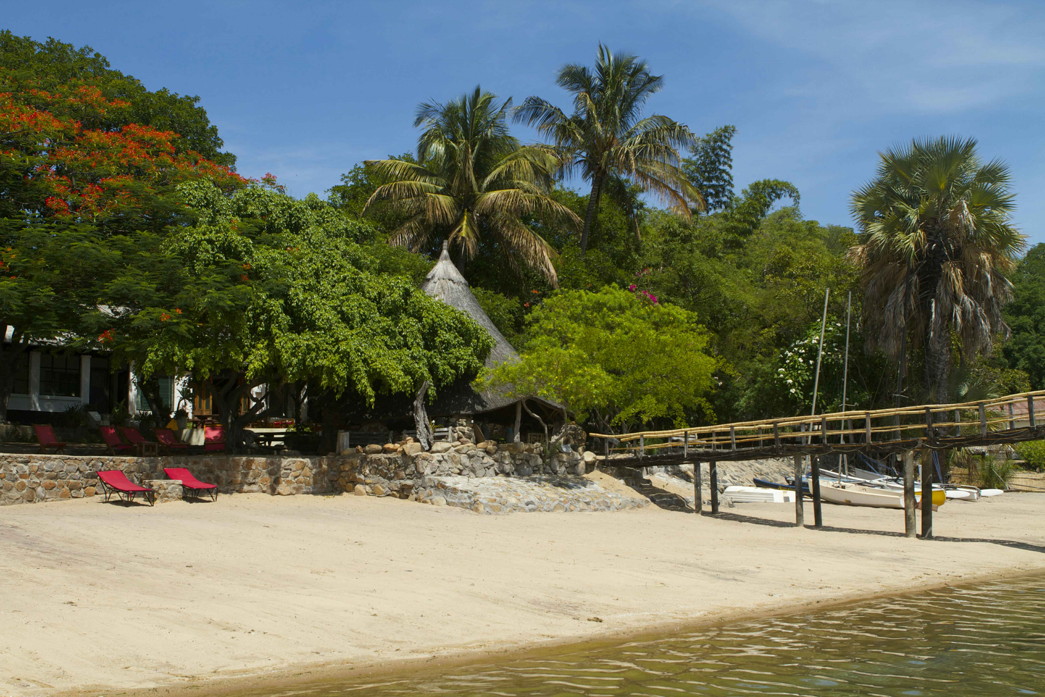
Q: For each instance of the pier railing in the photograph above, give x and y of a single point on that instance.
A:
(1008, 419)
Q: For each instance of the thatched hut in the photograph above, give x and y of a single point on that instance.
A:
(444, 282)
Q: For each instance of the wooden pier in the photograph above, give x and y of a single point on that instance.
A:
(905, 431)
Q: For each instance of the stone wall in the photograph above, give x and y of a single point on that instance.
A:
(390, 470)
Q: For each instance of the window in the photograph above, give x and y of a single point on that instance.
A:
(21, 374)
(165, 387)
(59, 375)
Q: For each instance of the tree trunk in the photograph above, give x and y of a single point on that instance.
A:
(421, 424)
(589, 214)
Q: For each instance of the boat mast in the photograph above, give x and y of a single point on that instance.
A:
(845, 381)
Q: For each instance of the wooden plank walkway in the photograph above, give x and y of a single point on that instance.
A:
(905, 431)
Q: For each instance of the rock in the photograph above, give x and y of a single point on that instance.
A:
(359, 490)
(437, 501)
(378, 490)
(590, 456)
(374, 449)
(441, 447)
(391, 448)
(412, 448)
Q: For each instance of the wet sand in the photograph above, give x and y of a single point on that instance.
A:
(251, 590)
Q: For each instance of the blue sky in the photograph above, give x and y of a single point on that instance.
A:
(816, 88)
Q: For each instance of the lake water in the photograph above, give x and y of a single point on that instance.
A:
(983, 640)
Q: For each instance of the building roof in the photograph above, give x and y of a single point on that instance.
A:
(444, 282)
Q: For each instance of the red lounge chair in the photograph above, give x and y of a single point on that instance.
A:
(136, 439)
(190, 484)
(213, 438)
(116, 482)
(165, 437)
(48, 441)
(113, 444)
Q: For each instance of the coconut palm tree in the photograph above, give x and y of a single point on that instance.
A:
(605, 137)
(936, 243)
(473, 184)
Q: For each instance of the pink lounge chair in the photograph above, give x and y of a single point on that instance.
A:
(165, 437)
(213, 438)
(113, 444)
(138, 441)
(47, 439)
(189, 483)
(116, 482)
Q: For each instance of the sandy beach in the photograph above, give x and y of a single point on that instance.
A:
(253, 588)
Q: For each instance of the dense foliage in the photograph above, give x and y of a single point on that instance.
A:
(123, 228)
(617, 358)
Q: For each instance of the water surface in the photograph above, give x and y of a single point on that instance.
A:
(982, 640)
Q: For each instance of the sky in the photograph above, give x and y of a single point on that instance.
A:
(816, 88)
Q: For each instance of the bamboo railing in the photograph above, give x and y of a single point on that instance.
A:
(1008, 419)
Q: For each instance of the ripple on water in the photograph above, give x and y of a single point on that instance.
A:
(959, 642)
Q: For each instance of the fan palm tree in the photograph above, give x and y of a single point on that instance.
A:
(605, 137)
(936, 243)
(473, 184)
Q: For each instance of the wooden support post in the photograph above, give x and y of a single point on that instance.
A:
(927, 496)
(685, 444)
(1012, 418)
(814, 467)
(909, 518)
(957, 422)
(776, 434)
(983, 420)
(698, 485)
(929, 423)
(642, 446)
(867, 428)
(733, 433)
(713, 483)
(800, 520)
(1030, 411)
(823, 430)
(606, 447)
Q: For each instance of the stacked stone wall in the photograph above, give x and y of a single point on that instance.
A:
(390, 470)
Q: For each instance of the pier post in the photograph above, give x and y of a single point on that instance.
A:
(800, 518)
(814, 466)
(713, 484)
(908, 494)
(698, 503)
(927, 496)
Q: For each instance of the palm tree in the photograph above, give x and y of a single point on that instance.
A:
(472, 184)
(936, 243)
(605, 138)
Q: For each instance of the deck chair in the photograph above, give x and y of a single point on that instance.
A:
(116, 482)
(189, 483)
(213, 438)
(165, 437)
(48, 441)
(113, 444)
(136, 439)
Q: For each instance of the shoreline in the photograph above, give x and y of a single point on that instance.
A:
(307, 676)
(366, 587)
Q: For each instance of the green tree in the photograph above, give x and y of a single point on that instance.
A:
(617, 359)
(605, 138)
(269, 290)
(1025, 350)
(710, 169)
(472, 185)
(935, 246)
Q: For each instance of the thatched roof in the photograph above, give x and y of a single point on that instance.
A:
(444, 282)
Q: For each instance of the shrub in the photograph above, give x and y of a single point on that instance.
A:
(1032, 453)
